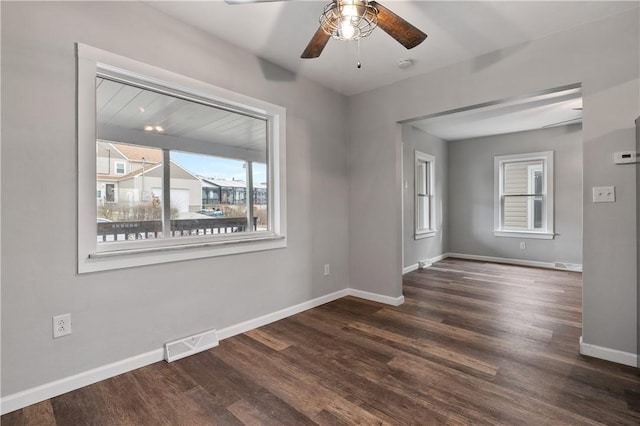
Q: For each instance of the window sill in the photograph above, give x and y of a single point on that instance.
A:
(425, 234)
(525, 234)
(128, 258)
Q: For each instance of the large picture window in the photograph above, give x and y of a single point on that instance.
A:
(182, 169)
(524, 195)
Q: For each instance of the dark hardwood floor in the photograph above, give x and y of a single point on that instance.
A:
(474, 343)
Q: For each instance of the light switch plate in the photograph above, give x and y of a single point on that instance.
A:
(604, 194)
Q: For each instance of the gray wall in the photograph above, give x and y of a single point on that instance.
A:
(123, 313)
(471, 200)
(416, 251)
(604, 57)
(638, 238)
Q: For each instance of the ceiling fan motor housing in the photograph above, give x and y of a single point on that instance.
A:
(355, 19)
(349, 19)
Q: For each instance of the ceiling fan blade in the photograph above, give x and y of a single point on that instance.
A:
(316, 44)
(402, 31)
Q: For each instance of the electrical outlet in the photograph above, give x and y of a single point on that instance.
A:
(61, 325)
(523, 245)
(327, 270)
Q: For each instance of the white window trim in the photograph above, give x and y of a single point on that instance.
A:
(548, 217)
(421, 157)
(124, 167)
(530, 202)
(89, 62)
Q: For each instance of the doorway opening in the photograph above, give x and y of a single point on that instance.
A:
(512, 211)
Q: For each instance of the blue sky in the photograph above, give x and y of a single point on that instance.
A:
(218, 167)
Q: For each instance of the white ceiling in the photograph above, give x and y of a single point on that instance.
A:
(549, 109)
(457, 31)
(278, 31)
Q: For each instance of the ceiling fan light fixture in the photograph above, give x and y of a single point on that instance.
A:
(349, 19)
(347, 30)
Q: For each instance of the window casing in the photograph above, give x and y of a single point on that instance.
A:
(120, 168)
(164, 231)
(424, 195)
(523, 200)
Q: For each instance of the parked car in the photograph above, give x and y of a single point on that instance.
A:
(212, 213)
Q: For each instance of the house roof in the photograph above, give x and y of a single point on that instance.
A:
(226, 183)
(112, 178)
(106, 149)
(155, 170)
(117, 178)
(231, 183)
(140, 153)
(139, 172)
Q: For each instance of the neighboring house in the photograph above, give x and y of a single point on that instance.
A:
(260, 193)
(223, 191)
(114, 159)
(115, 162)
(210, 193)
(142, 186)
(133, 174)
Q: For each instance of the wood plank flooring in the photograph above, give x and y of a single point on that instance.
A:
(474, 343)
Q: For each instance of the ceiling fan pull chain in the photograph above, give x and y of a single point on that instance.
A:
(359, 65)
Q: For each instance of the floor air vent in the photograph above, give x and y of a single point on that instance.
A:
(568, 266)
(186, 346)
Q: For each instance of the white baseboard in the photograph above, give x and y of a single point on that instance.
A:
(520, 262)
(423, 263)
(563, 266)
(549, 265)
(245, 326)
(40, 393)
(375, 297)
(410, 268)
(438, 258)
(49, 390)
(613, 355)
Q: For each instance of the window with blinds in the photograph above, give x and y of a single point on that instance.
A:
(524, 195)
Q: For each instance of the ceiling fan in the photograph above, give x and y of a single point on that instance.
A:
(353, 20)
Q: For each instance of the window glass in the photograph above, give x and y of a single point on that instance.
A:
(128, 211)
(120, 168)
(191, 167)
(424, 195)
(524, 195)
(171, 168)
(260, 195)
